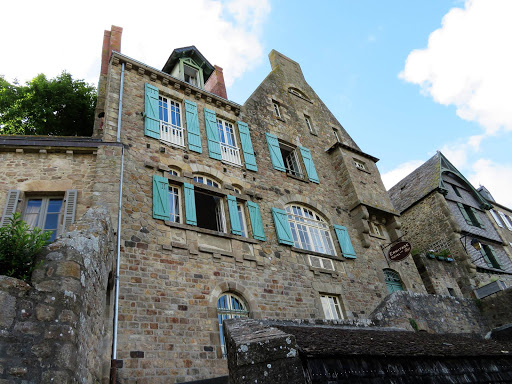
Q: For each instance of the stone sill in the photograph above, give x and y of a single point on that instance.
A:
(364, 170)
(210, 232)
(297, 178)
(377, 236)
(317, 271)
(313, 253)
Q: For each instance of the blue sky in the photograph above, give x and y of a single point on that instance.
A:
(454, 92)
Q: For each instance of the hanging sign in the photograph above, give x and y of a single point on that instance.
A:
(399, 251)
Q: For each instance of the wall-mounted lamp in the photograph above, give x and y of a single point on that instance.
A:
(474, 243)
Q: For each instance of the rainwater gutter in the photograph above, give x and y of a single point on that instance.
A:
(113, 369)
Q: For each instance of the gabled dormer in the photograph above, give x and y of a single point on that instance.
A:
(189, 65)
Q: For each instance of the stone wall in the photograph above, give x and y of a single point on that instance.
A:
(432, 313)
(497, 308)
(58, 329)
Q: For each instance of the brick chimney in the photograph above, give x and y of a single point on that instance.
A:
(215, 83)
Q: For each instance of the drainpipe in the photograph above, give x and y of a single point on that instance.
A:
(113, 369)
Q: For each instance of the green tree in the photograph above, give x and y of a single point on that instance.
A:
(60, 106)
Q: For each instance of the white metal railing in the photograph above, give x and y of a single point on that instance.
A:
(171, 134)
(230, 154)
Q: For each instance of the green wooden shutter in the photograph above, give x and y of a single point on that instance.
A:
(151, 116)
(10, 206)
(465, 214)
(245, 138)
(69, 209)
(193, 133)
(344, 240)
(212, 134)
(275, 152)
(190, 204)
(477, 217)
(160, 198)
(256, 223)
(236, 227)
(284, 234)
(310, 166)
(484, 255)
(495, 257)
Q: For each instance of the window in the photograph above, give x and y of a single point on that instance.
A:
(174, 200)
(171, 129)
(191, 75)
(471, 215)
(360, 164)
(456, 190)
(496, 218)
(490, 257)
(321, 262)
(451, 291)
(393, 281)
(229, 306)
(336, 135)
(277, 110)
(44, 213)
(309, 231)
(506, 220)
(241, 217)
(228, 147)
(209, 208)
(376, 229)
(331, 307)
(308, 123)
(291, 161)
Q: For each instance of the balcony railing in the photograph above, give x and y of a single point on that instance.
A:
(171, 134)
(230, 154)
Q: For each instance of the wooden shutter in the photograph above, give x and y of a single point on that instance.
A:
(10, 206)
(275, 152)
(161, 198)
(212, 134)
(465, 214)
(484, 255)
(190, 204)
(236, 228)
(71, 198)
(344, 240)
(284, 234)
(310, 166)
(477, 217)
(193, 132)
(256, 223)
(495, 257)
(151, 119)
(247, 149)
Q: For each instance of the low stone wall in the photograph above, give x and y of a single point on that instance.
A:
(497, 308)
(432, 313)
(58, 329)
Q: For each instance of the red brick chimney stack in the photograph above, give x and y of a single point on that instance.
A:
(215, 83)
(111, 42)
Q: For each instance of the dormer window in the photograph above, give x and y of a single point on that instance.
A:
(191, 75)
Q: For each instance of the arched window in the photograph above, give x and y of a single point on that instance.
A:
(207, 181)
(309, 230)
(393, 281)
(229, 306)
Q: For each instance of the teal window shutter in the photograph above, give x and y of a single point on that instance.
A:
(465, 214)
(275, 152)
(284, 234)
(212, 134)
(193, 133)
(160, 198)
(497, 264)
(236, 228)
(310, 166)
(477, 217)
(344, 240)
(151, 117)
(256, 223)
(484, 255)
(245, 138)
(190, 204)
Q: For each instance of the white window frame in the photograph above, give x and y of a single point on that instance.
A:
(220, 215)
(505, 220)
(496, 218)
(229, 312)
(43, 213)
(336, 134)
(308, 123)
(360, 164)
(229, 152)
(322, 262)
(241, 216)
(169, 132)
(195, 76)
(331, 306)
(291, 161)
(206, 180)
(277, 109)
(309, 230)
(376, 229)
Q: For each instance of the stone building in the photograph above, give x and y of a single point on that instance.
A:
(457, 247)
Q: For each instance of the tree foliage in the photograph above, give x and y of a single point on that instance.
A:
(19, 246)
(60, 106)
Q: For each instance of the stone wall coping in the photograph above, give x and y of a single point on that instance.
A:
(359, 203)
(348, 148)
(54, 142)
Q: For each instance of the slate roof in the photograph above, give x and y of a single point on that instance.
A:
(416, 185)
(193, 53)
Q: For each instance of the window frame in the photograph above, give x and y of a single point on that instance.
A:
(505, 220)
(290, 160)
(230, 153)
(327, 242)
(43, 213)
(336, 132)
(309, 124)
(196, 77)
(220, 214)
(391, 279)
(277, 109)
(329, 303)
(230, 313)
(168, 125)
(361, 165)
(241, 216)
(376, 229)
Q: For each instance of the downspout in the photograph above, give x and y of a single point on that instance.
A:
(113, 370)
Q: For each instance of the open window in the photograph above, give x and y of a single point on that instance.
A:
(291, 160)
(209, 207)
(331, 306)
(191, 75)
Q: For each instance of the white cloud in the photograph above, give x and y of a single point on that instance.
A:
(58, 35)
(467, 63)
(394, 176)
(495, 177)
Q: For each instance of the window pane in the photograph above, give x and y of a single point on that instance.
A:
(54, 205)
(31, 215)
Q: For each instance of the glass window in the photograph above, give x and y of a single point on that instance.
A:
(169, 112)
(229, 306)
(360, 164)
(393, 281)
(44, 213)
(336, 134)
(228, 146)
(241, 217)
(309, 231)
(207, 181)
(291, 161)
(174, 204)
(308, 123)
(191, 75)
(331, 307)
(277, 110)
